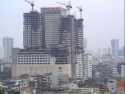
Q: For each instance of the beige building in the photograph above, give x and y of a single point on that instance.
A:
(34, 69)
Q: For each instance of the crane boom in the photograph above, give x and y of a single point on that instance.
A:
(61, 3)
(31, 3)
(68, 6)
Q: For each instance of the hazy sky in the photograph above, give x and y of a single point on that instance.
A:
(103, 19)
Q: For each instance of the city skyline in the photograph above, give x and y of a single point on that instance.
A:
(92, 26)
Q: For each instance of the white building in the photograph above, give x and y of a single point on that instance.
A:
(7, 48)
(79, 67)
(84, 66)
(88, 59)
(34, 57)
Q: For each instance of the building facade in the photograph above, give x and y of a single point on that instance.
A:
(32, 30)
(115, 47)
(51, 22)
(79, 67)
(35, 69)
(88, 61)
(7, 47)
(31, 56)
(15, 52)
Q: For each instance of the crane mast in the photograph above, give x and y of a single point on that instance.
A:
(80, 10)
(68, 6)
(31, 3)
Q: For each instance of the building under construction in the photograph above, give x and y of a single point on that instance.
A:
(58, 33)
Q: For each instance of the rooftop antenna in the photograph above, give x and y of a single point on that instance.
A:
(31, 3)
(80, 10)
(67, 5)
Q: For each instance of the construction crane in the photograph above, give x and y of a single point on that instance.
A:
(68, 6)
(31, 3)
(80, 10)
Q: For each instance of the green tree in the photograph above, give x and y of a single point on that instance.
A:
(17, 92)
(1, 91)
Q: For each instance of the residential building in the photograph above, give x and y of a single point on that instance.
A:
(5, 71)
(7, 46)
(79, 67)
(122, 51)
(1, 51)
(121, 69)
(15, 54)
(112, 86)
(115, 47)
(88, 61)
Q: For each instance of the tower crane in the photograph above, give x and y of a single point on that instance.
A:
(80, 10)
(68, 6)
(31, 3)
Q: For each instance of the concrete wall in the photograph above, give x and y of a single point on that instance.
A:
(33, 69)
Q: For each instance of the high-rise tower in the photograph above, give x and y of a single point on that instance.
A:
(33, 30)
(71, 37)
(52, 19)
(115, 47)
(7, 46)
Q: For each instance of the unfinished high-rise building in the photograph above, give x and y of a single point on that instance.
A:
(57, 34)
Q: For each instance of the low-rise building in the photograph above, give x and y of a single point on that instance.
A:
(32, 56)
(112, 86)
(121, 86)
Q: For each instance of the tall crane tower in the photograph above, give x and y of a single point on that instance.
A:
(67, 5)
(31, 3)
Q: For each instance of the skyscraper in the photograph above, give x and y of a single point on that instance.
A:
(51, 23)
(115, 47)
(1, 51)
(71, 37)
(33, 31)
(7, 46)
